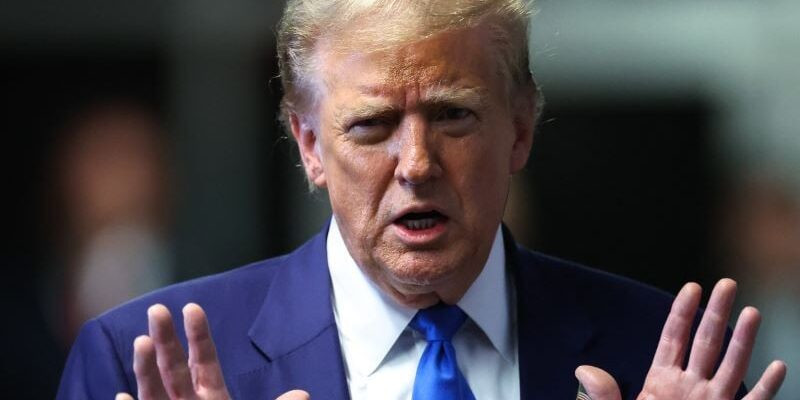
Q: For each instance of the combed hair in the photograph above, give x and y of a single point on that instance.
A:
(348, 25)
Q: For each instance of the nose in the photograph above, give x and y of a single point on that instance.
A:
(417, 160)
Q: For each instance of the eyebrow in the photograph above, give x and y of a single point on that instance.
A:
(436, 95)
(474, 97)
(346, 115)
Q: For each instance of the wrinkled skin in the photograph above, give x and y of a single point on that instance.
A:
(425, 126)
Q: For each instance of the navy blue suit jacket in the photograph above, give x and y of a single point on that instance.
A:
(274, 328)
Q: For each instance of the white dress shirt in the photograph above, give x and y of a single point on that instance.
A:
(381, 352)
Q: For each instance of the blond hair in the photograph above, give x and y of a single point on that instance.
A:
(347, 24)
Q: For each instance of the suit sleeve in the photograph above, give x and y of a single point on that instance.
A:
(94, 369)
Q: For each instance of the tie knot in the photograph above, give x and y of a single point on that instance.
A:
(439, 322)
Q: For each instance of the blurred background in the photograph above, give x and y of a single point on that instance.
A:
(142, 148)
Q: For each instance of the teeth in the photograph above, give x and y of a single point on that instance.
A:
(419, 224)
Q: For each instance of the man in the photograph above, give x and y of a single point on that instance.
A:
(413, 115)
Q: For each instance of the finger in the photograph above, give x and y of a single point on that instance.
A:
(203, 361)
(675, 335)
(599, 384)
(123, 396)
(767, 386)
(169, 354)
(731, 372)
(295, 395)
(711, 332)
(148, 377)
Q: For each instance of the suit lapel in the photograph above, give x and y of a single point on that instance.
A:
(296, 333)
(553, 330)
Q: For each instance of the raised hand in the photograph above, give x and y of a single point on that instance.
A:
(162, 369)
(667, 378)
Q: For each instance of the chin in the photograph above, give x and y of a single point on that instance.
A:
(414, 295)
(420, 273)
(418, 301)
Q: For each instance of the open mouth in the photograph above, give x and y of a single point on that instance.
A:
(419, 221)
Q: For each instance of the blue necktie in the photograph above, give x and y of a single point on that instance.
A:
(438, 376)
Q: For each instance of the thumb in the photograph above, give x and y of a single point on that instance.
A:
(599, 384)
(295, 395)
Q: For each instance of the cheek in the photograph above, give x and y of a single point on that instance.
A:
(478, 168)
(357, 179)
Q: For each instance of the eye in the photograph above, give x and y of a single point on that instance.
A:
(367, 123)
(369, 130)
(455, 121)
(452, 114)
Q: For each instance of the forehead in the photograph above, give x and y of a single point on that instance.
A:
(457, 59)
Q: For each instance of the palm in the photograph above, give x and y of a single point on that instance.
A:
(162, 369)
(675, 383)
(699, 380)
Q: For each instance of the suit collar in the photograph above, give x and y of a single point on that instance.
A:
(554, 330)
(296, 332)
(297, 307)
(543, 295)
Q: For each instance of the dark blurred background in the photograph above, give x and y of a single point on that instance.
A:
(144, 150)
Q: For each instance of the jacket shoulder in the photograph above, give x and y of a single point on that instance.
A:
(232, 300)
(243, 285)
(104, 347)
(617, 320)
(601, 294)
(625, 316)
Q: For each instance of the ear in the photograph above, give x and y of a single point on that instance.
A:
(524, 113)
(306, 138)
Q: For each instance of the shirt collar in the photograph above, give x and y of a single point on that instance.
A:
(370, 322)
(488, 301)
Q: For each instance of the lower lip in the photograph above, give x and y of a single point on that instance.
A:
(421, 236)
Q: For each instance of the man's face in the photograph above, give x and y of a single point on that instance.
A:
(416, 146)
